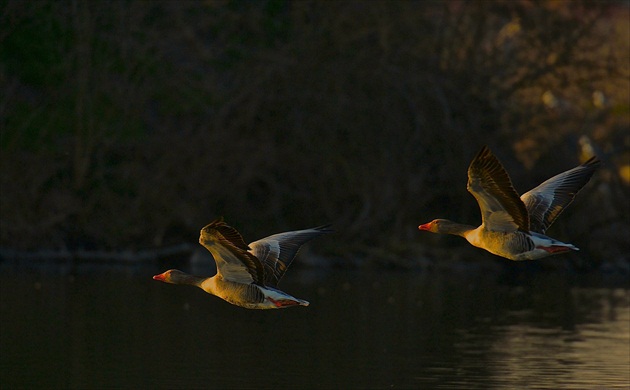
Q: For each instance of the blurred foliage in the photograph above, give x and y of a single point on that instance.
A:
(131, 124)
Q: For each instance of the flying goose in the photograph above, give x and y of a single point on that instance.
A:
(247, 275)
(514, 227)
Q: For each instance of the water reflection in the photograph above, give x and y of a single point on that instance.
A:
(115, 327)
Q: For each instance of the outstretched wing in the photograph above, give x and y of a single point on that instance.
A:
(501, 208)
(545, 202)
(277, 252)
(234, 261)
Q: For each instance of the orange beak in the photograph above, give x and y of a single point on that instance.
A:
(160, 277)
(426, 226)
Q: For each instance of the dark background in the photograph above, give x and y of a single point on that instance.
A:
(129, 125)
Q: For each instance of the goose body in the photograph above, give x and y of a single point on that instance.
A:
(514, 227)
(247, 275)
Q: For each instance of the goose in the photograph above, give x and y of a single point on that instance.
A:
(513, 227)
(247, 275)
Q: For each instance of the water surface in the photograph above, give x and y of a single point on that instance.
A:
(115, 327)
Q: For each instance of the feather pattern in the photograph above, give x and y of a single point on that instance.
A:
(545, 202)
(237, 292)
(490, 184)
(231, 253)
(277, 251)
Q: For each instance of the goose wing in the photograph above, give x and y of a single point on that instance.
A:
(545, 202)
(501, 208)
(234, 261)
(277, 252)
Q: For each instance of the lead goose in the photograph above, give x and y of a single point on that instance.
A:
(247, 274)
(514, 227)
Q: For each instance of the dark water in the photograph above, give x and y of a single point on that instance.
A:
(115, 327)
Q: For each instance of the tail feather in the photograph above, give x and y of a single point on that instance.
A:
(553, 249)
(281, 299)
(288, 302)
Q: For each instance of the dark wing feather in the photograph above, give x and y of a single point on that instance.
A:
(234, 262)
(228, 232)
(489, 183)
(277, 252)
(545, 202)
